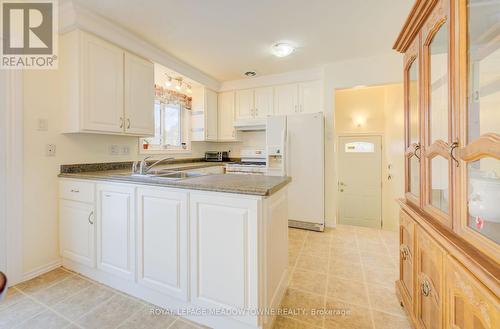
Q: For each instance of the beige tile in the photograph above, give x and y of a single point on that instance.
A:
(145, 318)
(295, 244)
(292, 259)
(45, 320)
(306, 306)
(296, 234)
(13, 296)
(343, 243)
(77, 305)
(20, 311)
(43, 281)
(309, 281)
(384, 299)
(387, 321)
(282, 322)
(346, 316)
(316, 248)
(61, 290)
(184, 324)
(346, 269)
(318, 237)
(344, 253)
(372, 247)
(385, 276)
(348, 291)
(110, 314)
(376, 259)
(312, 263)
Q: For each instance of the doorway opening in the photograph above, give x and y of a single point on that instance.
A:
(369, 166)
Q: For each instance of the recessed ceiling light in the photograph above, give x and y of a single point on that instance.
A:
(250, 73)
(282, 49)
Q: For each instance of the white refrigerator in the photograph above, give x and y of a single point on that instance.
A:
(295, 148)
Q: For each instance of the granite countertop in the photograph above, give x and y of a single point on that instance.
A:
(228, 183)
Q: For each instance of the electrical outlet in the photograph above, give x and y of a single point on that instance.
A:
(125, 150)
(50, 150)
(114, 150)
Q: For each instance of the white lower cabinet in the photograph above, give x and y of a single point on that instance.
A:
(224, 253)
(162, 240)
(116, 230)
(76, 229)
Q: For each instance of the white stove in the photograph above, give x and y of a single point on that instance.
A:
(253, 162)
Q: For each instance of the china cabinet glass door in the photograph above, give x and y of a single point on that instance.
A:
(438, 117)
(480, 110)
(412, 118)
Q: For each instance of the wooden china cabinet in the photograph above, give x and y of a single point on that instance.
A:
(450, 216)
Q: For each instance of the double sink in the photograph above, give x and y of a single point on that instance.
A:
(160, 175)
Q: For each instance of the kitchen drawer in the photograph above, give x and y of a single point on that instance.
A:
(76, 191)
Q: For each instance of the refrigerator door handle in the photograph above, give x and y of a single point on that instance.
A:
(287, 154)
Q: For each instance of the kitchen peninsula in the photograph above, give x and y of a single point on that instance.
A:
(198, 245)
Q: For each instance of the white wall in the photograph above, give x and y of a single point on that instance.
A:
(375, 70)
(380, 109)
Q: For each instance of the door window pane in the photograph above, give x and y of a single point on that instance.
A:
(360, 147)
(484, 115)
(413, 94)
(438, 85)
(414, 176)
(439, 183)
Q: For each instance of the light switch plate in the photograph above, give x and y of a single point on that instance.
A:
(43, 124)
(125, 150)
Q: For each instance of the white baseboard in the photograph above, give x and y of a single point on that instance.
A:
(41, 270)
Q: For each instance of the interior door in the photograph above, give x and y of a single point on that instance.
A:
(360, 181)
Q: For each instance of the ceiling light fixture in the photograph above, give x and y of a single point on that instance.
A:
(179, 85)
(250, 73)
(189, 90)
(282, 49)
(168, 83)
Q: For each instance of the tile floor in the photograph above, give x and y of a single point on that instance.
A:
(347, 272)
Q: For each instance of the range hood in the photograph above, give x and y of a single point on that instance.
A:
(250, 125)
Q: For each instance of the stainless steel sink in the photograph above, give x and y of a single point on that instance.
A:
(161, 175)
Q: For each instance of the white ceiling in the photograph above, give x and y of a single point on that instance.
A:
(225, 38)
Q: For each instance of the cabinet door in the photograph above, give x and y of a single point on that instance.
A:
(76, 232)
(226, 116)
(311, 96)
(245, 108)
(479, 155)
(139, 96)
(286, 99)
(115, 230)
(210, 115)
(412, 96)
(102, 79)
(406, 258)
(264, 102)
(438, 123)
(469, 305)
(162, 233)
(224, 252)
(430, 270)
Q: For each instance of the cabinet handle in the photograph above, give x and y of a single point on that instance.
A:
(75, 190)
(90, 215)
(426, 288)
(405, 252)
(452, 148)
(417, 149)
(121, 122)
(128, 123)
(295, 107)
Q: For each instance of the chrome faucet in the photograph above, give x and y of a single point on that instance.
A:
(142, 167)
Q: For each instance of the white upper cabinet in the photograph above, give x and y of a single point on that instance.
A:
(102, 82)
(311, 96)
(139, 95)
(264, 102)
(104, 88)
(245, 106)
(286, 99)
(226, 106)
(204, 119)
(304, 97)
(211, 115)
